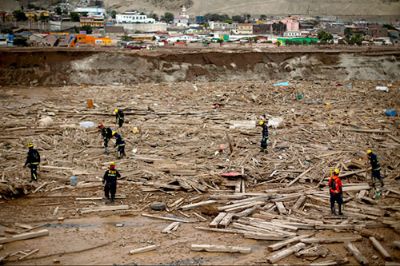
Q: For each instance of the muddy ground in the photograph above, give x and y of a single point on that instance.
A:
(180, 129)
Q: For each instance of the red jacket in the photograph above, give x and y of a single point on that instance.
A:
(338, 184)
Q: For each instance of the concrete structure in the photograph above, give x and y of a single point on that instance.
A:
(262, 29)
(244, 28)
(292, 34)
(182, 20)
(94, 21)
(133, 17)
(222, 26)
(152, 27)
(292, 24)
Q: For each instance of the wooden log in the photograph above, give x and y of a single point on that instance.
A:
(261, 236)
(217, 219)
(356, 188)
(368, 233)
(331, 240)
(104, 208)
(284, 243)
(142, 250)
(170, 227)
(24, 236)
(377, 245)
(221, 230)
(356, 253)
(335, 227)
(198, 204)
(28, 254)
(246, 212)
(167, 218)
(281, 208)
(40, 187)
(24, 226)
(242, 206)
(277, 256)
(330, 262)
(226, 220)
(396, 244)
(300, 176)
(367, 130)
(220, 248)
(299, 202)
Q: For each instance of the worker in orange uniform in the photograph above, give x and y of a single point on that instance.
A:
(336, 191)
(110, 182)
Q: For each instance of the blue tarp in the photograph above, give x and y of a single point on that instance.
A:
(285, 83)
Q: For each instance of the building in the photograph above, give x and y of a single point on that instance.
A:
(244, 28)
(93, 21)
(141, 27)
(261, 29)
(114, 31)
(90, 11)
(222, 26)
(292, 24)
(292, 34)
(200, 20)
(133, 17)
(182, 20)
(376, 31)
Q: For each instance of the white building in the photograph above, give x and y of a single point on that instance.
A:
(292, 34)
(133, 17)
(182, 20)
(91, 11)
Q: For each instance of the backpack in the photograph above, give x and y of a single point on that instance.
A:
(333, 184)
(35, 156)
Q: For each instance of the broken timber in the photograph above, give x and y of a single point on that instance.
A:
(331, 240)
(380, 248)
(220, 248)
(198, 204)
(167, 218)
(104, 208)
(277, 256)
(284, 243)
(142, 250)
(171, 227)
(356, 253)
(24, 236)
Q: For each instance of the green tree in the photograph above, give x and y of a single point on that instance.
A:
(87, 28)
(356, 39)
(19, 15)
(325, 37)
(238, 19)
(113, 13)
(168, 17)
(58, 11)
(74, 16)
(263, 17)
(154, 15)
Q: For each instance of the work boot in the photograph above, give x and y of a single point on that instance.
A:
(340, 210)
(333, 211)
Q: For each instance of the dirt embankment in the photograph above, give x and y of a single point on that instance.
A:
(58, 67)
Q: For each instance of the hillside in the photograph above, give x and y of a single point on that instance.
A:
(268, 7)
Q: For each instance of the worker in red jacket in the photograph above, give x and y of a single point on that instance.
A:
(336, 191)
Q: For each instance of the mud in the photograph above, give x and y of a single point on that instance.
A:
(63, 67)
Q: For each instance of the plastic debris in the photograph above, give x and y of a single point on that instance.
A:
(73, 181)
(382, 88)
(45, 121)
(390, 112)
(275, 122)
(282, 84)
(87, 124)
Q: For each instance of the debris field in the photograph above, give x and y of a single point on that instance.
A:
(195, 187)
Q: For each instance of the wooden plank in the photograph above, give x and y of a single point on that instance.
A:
(330, 262)
(367, 130)
(217, 219)
(167, 218)
(261, 236)
(198, 204)
(284, 243)
(104, 208)
(396, 244)
(369, 233)
(356, 188)
(40, 187)
(281, 208)
(24, 236)
(226, 220)
(300, 176)
(356, 253)
(220, 248)
(277, 256)
(299, 202)
(246, 212)
(323, 240)
(142, 250)
(24, 226)
(99, 198)
(28, 254)
(377, 245)
(170, 227)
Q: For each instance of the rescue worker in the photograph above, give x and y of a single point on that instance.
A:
(264, 140)
(336, 191)
(376, 168)
(119, 144)
(110, 182)
(106, 133)
(32, 161)
(119, 117)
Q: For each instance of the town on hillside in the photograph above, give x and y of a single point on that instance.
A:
(90, 24)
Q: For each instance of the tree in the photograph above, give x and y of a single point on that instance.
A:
(113, 14)
(356, 39)
(58, 11)
(74, 16)
(263, 17)
(325, 37)
(87, 28)
(168, 17)
(155, 16)
(19, 15)
(238, 19)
